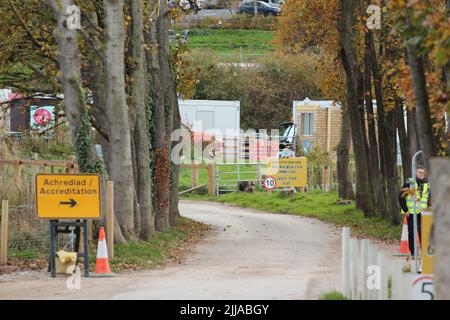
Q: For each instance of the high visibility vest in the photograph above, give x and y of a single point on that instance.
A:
(421, 201)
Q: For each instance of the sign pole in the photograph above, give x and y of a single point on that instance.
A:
(86, 248)
(411, 184)
(52, 247)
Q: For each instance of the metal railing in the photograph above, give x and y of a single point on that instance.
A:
(228, 176)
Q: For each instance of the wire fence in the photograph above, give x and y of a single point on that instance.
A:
(28, 236)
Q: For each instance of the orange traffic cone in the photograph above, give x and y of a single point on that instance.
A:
(102, 262)
(404, 246)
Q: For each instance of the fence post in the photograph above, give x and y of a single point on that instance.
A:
(346, 262)
(217, 180)
(4, 235)
(259, 174)
(110, 218)
(194, 178)
(211, 180)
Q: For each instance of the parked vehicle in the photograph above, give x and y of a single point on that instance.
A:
(262, 8)
(273, 3)
(287, 135)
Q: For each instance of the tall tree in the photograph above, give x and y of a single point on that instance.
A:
(139, 123)
(159, 68)
(364, 196)
(69, 64)
(345, 187)
(423, 113)
(388, 134)
(121, 167)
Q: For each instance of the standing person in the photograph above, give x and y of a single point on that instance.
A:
(421, 194)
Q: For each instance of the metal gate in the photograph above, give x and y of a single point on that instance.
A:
(229, 175)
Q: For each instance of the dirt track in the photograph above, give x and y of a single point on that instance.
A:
(249, 255)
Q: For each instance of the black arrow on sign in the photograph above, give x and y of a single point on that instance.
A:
(72, 203)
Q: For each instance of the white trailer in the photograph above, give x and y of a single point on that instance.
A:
(208, 115)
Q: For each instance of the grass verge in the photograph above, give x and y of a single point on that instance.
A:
(171, 245)
(332, 296)
(164, 247)
(229, 42)
(314, 204)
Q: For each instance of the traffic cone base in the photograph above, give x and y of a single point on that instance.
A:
(102, 262)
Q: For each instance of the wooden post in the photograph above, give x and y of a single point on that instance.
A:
(4, 235)
(325, 178)
(110, 218)
(194, 181)
(211, 180)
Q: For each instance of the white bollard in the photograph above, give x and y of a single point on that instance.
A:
(365, 264)
(383, 292)
(397, 275)
(346, 262)
(354, 269)
(373, 277)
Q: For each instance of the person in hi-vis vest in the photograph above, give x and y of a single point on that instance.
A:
(422, 196)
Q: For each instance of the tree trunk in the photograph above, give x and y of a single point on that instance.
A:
(403, 137)
(345, 187)
(414, 142)
(139, 132)
(158, 65)
(175, 168)
(424, 124)
(121, 167)
(388, 134)
(364, 196)
(69, 65)
(374, 169)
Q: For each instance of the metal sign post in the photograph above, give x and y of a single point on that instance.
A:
(57, 227)
(68, 200)
(412, 183)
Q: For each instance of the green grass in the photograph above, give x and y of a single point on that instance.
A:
(227, 174)
(184, 180)
(229, 42)
(314, 204)
(332, 296)
(165, 246)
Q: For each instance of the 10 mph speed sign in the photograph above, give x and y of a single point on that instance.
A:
(270, 183)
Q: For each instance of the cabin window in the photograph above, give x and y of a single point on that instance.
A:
(307, 124)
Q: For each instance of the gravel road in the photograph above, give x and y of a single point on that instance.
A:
(249, 255)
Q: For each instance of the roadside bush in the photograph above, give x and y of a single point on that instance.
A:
(56, 144)
(266, 90)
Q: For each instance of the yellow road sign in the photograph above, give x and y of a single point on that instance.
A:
(68, 196)
(427, 245)
(288, 172)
